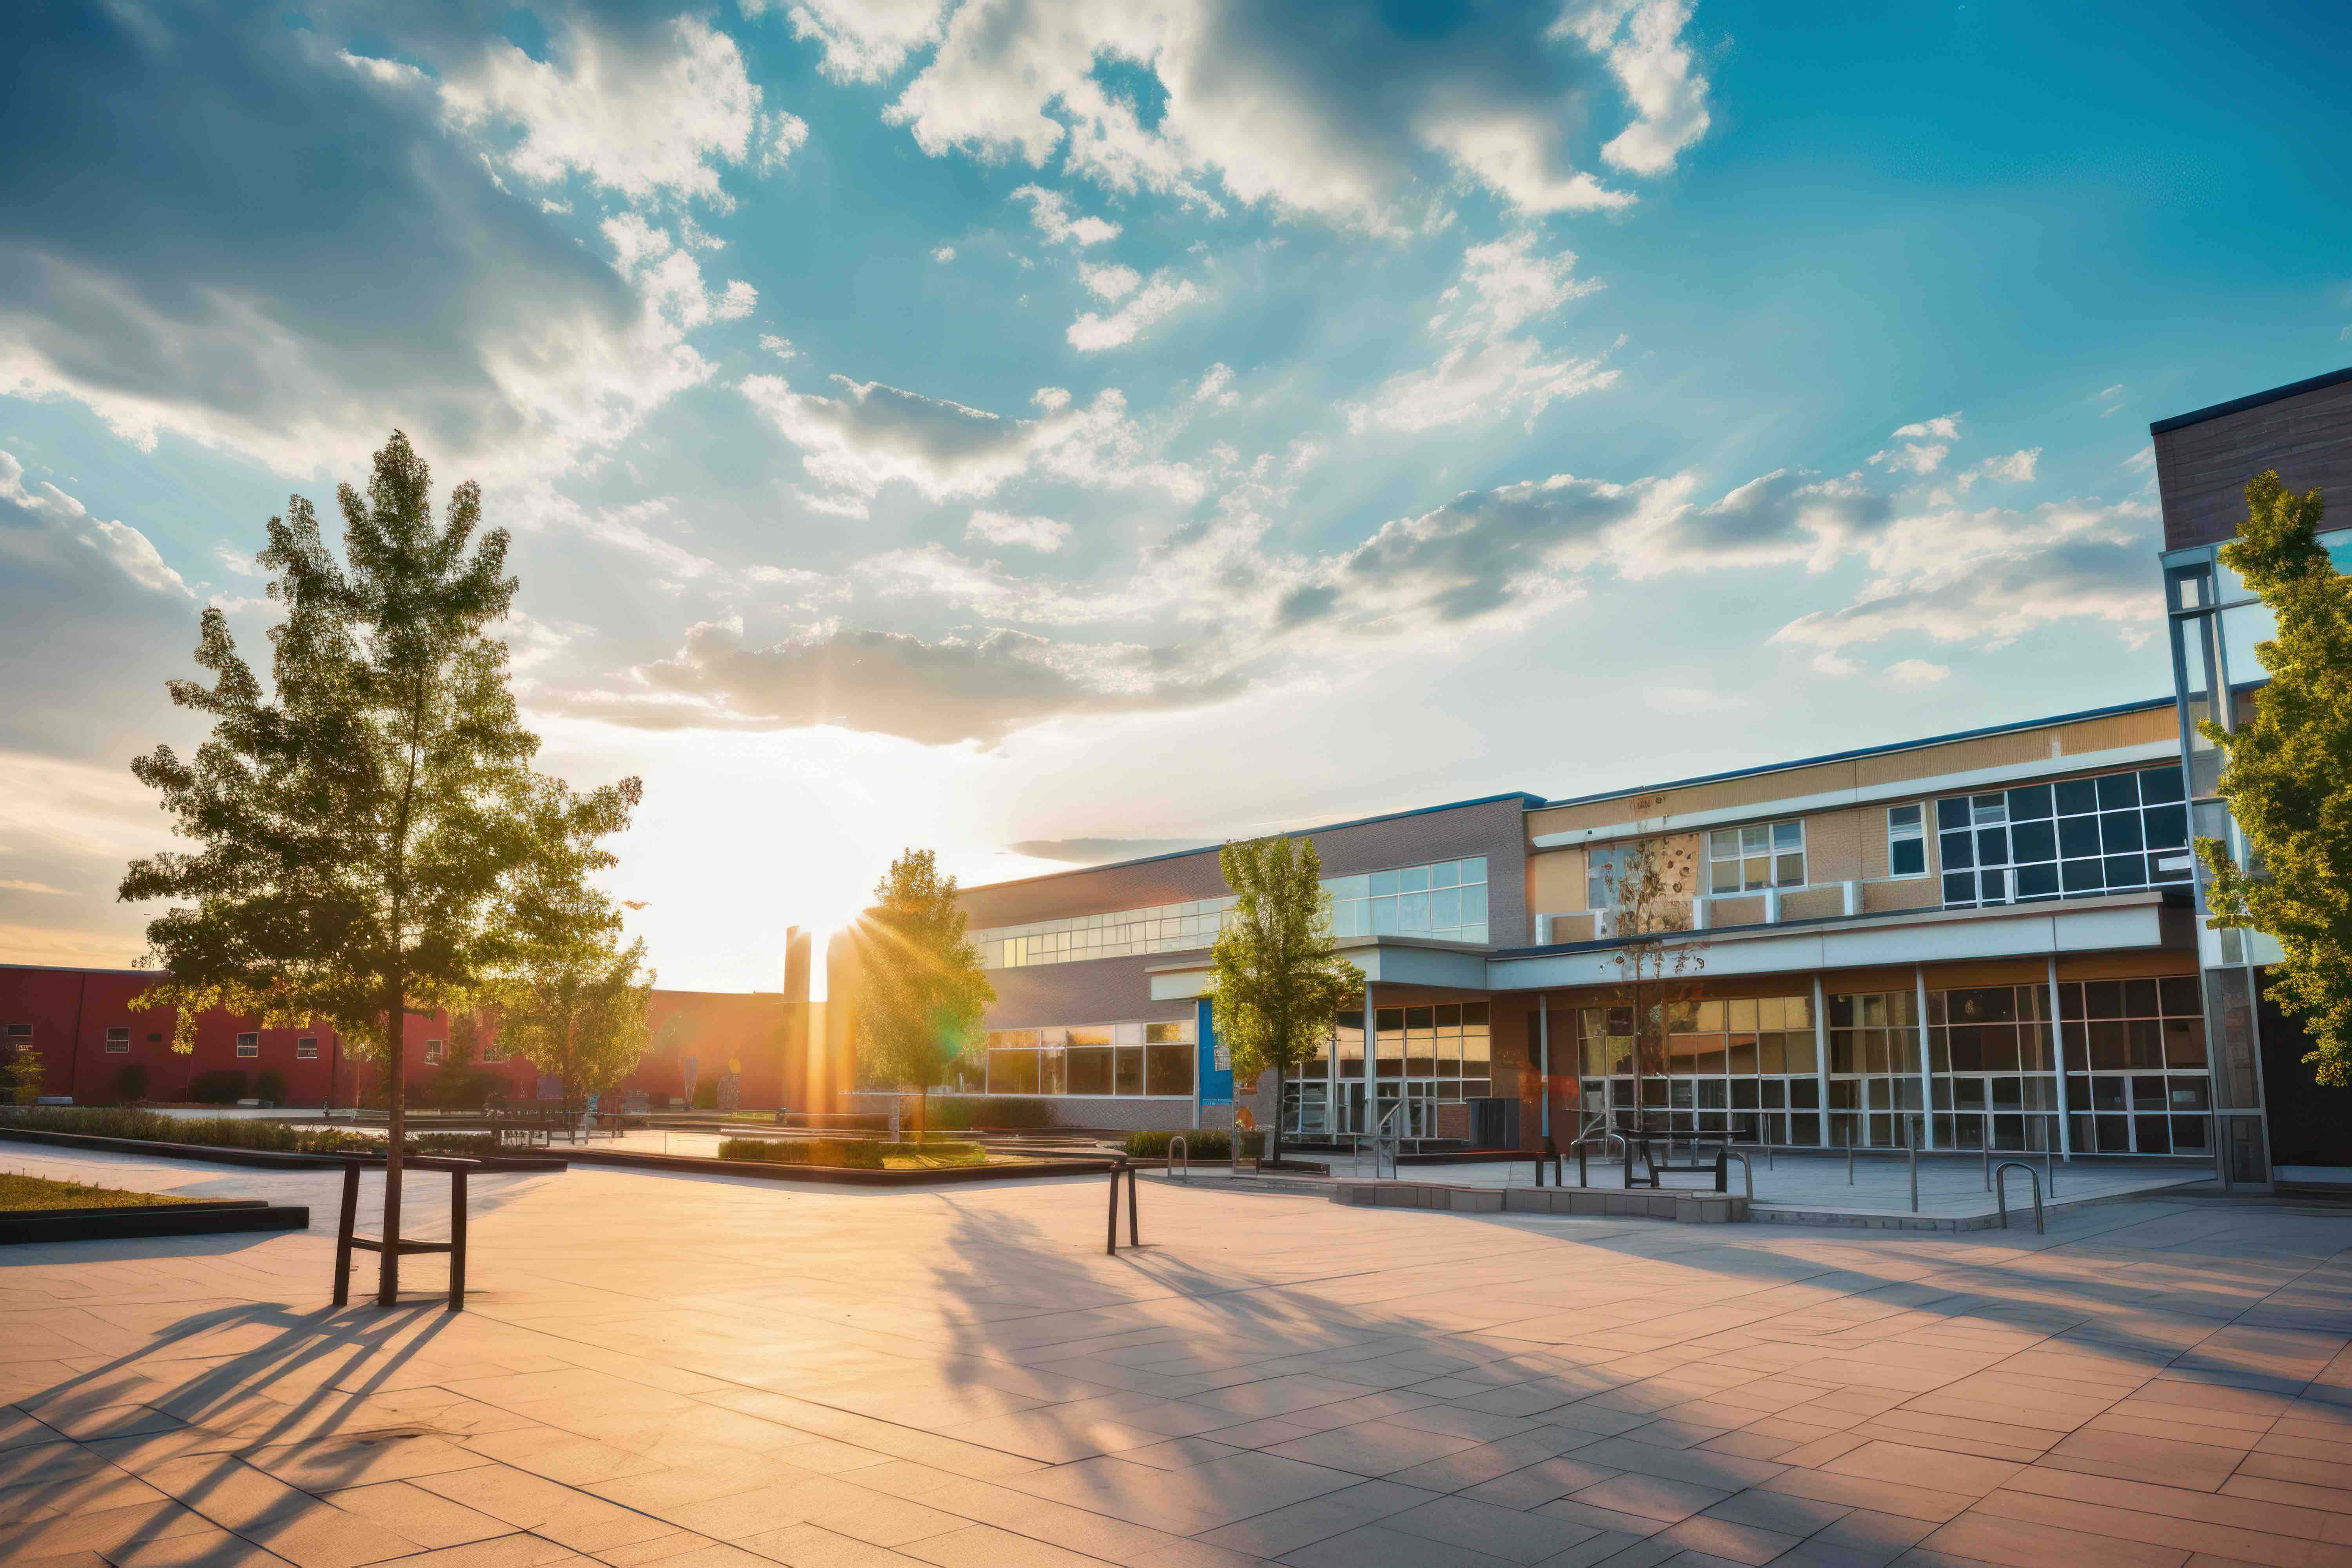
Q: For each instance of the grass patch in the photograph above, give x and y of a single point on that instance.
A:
(855, 1154)
(931, 1156)
(1197, 1146)
(229, 1131)
(19, 1194)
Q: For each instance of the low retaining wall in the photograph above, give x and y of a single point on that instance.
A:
(1599, 1203)
(839, 1176)
(260, 1159)
(226, 1218)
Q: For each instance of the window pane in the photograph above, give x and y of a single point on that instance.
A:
(1902, 816)
(1993, 847)
(1726, 877)
(1168, 1069)
(1754, 840)
(2075, 795)
(1445, 909)
(1788, 835)
(1988, 808)
(1383, 883)
(1475, 868)
(2030, 841)
(2168, 827)
(2117, 790)
(2037, 881)
(2078, 835)
(2031, 804)
(1959, 851)
(1952, 811)
(1907, 857)
(1960, 887)
(2080, 877)
(1126, 1069)
(1473, 910)
(2159, 784)
(1414, 880)
(1791, 870)
(2119, 832)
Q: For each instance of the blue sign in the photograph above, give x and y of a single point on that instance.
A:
(1215, 1074)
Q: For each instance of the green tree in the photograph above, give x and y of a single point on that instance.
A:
(20, 1074)
(920, 990)
(371, 828)
(578, 1009)
(2289, 778)
(1648, 887)
(1279, 977)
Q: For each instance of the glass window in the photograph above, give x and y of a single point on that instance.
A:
(1168, 1069)
(250, 1046)
(1906, 840)
(306, 1049)
(1748, 859)
(1012, 1072)
(1127, 1071)
(1086, 1070)
(117, 1040)
(2077, 837)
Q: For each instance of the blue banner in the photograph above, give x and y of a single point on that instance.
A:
(1216, 1067)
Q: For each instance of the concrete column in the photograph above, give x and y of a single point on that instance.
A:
(1822, 1055)
(1371, 1058)
(1927, 1064)
(2058, 1061)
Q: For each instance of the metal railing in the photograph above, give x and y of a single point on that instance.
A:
(1180, 1156)
(2001, 1190)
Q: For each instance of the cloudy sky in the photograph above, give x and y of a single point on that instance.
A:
(1051, 429)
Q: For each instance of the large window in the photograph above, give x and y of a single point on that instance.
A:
(1749, 860)
(1874, 1067)
(1082, 1059)
(1744, 1065)
(2116, 833)
(118, 1039)
(2136, 1072)
(1991, 1067)
(1906, 840)
(1445, 899)
(250, 1046)
(306, 1049)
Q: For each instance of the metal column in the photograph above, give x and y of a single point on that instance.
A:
(1822, 1055)
(1927, 1080)
(1543, 1039)
(2058, 1061)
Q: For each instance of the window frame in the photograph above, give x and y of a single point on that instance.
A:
(117, 1040)
(1918, 835)
(249, 1045)
(1770, 851)
(437, 1051)
(306, 1048)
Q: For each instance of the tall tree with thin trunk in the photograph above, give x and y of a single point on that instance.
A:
(922, 991)
(1279, 981)
(2289, 779)
(370, 828)
(1647, 888)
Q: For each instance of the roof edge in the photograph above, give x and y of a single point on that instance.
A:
(1888, 749)
(2253, 400)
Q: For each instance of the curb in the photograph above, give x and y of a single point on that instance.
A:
(838, 1175)
(224, 1218)
(259, 1159)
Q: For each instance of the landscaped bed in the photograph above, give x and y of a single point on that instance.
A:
(228, 1132)
(21, 1194)
(858, 1155)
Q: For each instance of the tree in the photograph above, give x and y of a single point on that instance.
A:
(369, 828)
(2289, 774)
(920, 990)
(20, 1074)
(1279, 981)
(1649, 885)
(579, 1011)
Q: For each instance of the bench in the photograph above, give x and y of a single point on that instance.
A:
(347, 1241)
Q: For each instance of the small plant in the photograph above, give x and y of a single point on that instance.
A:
(270, 1086)
(131, 1083)
(20, 1075)
(1200, 1145)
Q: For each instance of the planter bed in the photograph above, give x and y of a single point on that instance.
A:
(839, 1176)
(263, 1159)
(123, 1222)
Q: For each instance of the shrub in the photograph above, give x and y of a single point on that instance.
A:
(705, 1096)
(231, 1131)
(131, 1083)
(856, 1156)
(1203, 1145)
(224, 1087)
(940, 1152)
(269, 1087)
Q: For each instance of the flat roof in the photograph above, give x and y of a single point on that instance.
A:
(1522, 797)
(2008, 729)
(2253, 400)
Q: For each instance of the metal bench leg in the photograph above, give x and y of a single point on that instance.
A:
(343, 1235)
(1111, 1242)
(1132, 1240)
(457, 1241)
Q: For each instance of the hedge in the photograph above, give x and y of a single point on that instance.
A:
(1010, 1114)
(1197, 1145)
(228, 1132)
(858, 1156)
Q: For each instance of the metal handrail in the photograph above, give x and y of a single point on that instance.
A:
(1179, 1147)
(2001, 1190)
(1747, 1170)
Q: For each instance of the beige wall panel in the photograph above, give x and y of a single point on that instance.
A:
(1957, 756)
(1563, 818)
(1813, 903)
(1570, 925)
(2125, 965)
(1555, 882)
(1911, 893)
(1834, 844)
(2118, 730)
(1741, 911)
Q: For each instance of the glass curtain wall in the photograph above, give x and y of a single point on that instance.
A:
(2116, 833)
(1991, 1069)
(1154, 1059)
(1423, 1056)
(1874, 1077)
(1744, 1066)
(2136, 1079)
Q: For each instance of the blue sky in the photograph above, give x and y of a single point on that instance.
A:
(1000, 424)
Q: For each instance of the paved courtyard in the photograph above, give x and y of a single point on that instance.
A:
(695, 1371)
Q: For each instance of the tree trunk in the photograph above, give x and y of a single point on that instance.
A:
(396, 1015)
(1278, 1115)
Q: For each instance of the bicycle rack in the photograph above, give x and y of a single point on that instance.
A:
(1178, 1148)
(2001, 1190)
(1747, 1170)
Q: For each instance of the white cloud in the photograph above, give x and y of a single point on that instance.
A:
(1156, 299)
(1043, 534)
(1927, 443)
(121, 546)
(870, 435)
(2110, 399)
(1916, 672)
(1643, 43)
(2016, 469)
(1944, 428)
(944, 254)
(642, 115)
(1110, 281)
(1216, 387)
(780, 347)
(1050, 211)
(1338, 122)
(864, 40)
(2141, 462)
